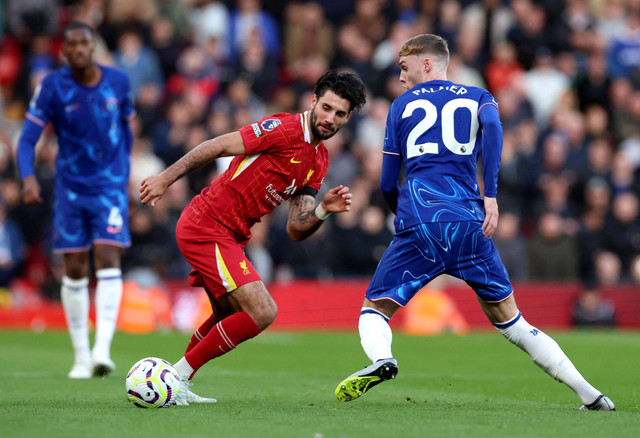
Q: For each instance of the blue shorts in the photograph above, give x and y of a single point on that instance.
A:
(79, 221)
(421, 253)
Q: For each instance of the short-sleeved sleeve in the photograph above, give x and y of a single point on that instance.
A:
(264, 135)
(40, 111)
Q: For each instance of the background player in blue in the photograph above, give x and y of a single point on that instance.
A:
(436, 130)
(89, 106)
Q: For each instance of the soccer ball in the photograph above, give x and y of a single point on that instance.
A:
(152, 383)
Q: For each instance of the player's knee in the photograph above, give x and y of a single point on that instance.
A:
(264, 316)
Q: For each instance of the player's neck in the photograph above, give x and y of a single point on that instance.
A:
(441, 76)
(89, 76)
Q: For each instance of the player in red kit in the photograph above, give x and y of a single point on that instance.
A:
(279, 158)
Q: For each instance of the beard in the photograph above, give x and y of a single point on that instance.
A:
(314, 128)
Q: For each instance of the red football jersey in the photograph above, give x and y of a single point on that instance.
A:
(279, 161)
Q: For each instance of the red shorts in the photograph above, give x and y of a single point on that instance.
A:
(218, 260)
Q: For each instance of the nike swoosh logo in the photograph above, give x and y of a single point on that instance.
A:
(293, 160)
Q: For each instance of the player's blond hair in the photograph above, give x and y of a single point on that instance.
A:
(427, 44)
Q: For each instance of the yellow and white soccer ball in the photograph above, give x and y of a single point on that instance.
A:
(152, 382)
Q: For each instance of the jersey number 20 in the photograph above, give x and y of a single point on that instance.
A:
(447, 124)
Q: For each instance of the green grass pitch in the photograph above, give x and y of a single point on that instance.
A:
(281, 385)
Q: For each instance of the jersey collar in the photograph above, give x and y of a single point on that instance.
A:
(305, 126)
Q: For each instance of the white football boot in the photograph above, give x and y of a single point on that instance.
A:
(602, 403)
(101, 365)
(80, 370)
(186, 396)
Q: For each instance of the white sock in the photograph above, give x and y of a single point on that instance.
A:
(375, 334)
(108, 296)
(75, 301)
(548, 355)
(183, 368)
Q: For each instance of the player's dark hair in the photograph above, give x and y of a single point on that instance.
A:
(346, 85)
(78, 25)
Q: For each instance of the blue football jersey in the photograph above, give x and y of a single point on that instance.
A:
(94, 143)
(436, 128)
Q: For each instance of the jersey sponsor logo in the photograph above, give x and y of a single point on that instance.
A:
(306, 180)
(72, 107)
(294, 161)
(256, 130)
(111, 105)
(273, 196)
(270, 124)
(292, 188)
(243, 266)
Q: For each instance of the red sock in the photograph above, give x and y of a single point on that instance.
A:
(201, 332)
(222, 338)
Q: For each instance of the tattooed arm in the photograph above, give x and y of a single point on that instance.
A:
(153, 187)
(305, 218)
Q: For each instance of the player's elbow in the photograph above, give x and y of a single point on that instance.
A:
(295, 234)
(491, 125)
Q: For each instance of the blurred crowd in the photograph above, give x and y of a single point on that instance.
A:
(566, 74)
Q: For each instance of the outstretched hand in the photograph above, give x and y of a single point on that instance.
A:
(337, 200)
(152, 188)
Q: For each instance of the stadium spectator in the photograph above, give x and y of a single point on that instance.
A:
(543, 73)
(622, 174)
(26, 18)
(250, 24)
(622, 231)
(590, 236)
(166, 44)
(512, 246)
(258, 68)
(368, 21)
(624, 60)
(592, 87)
(88, 105)
(608, 268)
(281, 157)
(490, 21)
(307, 34)
(552, 252)
(502, 68)
(170, 134)
(210, 22)
(591, 310)
(597, 124)
(138, 61)
(527, 34)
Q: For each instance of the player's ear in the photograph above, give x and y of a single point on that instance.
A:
(314, 100)
(427, 64)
